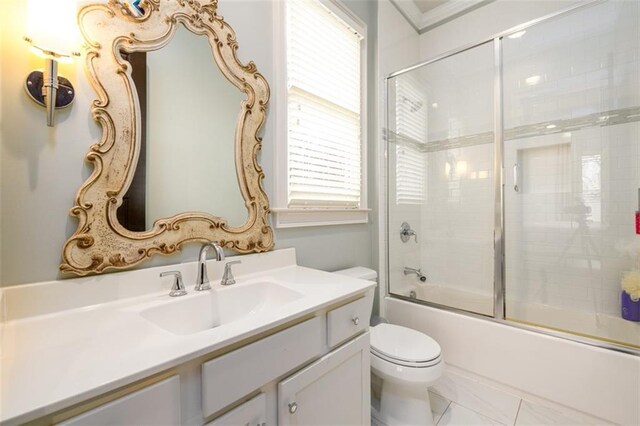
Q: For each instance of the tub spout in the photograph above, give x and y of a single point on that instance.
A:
(417, 272)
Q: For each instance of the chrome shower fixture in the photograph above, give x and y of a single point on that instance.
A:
(417, 272)
(406, 232)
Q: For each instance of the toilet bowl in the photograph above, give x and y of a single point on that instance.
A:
(407, 362)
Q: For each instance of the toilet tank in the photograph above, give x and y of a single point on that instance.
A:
(359, 272)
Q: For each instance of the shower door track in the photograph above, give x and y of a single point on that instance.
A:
(499, 232)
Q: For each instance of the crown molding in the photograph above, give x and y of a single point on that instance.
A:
(423, 22)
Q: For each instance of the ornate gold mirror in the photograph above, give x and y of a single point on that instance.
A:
(156, 137)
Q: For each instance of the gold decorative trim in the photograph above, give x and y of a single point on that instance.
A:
(100, 241)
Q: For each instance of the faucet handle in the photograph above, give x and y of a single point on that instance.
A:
(178, 288)
(406, 233)
(227, 277)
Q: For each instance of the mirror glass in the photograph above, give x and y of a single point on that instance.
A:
(189, 115)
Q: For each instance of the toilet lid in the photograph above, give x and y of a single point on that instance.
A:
(403, 344)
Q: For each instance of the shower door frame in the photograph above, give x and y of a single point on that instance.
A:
(499, 307)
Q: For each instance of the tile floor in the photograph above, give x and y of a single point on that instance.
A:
(459, 400)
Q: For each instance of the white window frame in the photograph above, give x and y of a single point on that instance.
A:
(286, 217)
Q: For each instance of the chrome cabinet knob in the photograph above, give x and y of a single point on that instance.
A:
(293, 407)
(355, 320)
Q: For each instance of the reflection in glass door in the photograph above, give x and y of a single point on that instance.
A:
(441, 183)
(572, 105)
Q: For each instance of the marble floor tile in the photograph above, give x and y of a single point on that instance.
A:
(439, 405)
(479, 397)
(536, 414)
(457, 415)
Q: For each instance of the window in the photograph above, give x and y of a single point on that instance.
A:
(321, 163)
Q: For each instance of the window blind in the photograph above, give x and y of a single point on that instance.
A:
(411, 109)
(410, 175)
(411, 128)
(324, 121)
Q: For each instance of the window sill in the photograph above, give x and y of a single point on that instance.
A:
(295, 218)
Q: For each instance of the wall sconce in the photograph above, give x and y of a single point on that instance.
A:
(52, 35)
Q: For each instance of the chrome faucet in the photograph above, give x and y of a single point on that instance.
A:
(417, 272)
(202, 281)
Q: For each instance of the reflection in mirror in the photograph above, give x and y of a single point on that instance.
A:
(190, 111)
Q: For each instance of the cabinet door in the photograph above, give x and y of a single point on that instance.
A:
(332, 391)
(158, 404)
(251, 413)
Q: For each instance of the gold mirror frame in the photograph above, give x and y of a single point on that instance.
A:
(100, 241)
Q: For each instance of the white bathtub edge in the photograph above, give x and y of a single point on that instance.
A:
(596, 381)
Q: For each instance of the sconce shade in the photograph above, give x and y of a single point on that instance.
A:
(52, 28)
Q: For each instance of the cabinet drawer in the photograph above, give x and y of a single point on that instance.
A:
(158, 404)
(348, 320)
(236, 374)
(252, 413)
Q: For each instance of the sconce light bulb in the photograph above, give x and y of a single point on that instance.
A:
(52, 27)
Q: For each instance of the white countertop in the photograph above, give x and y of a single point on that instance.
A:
(64, 342)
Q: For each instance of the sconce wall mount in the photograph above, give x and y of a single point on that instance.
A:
(46, 84)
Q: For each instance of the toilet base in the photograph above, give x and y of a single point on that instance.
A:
(402, 405)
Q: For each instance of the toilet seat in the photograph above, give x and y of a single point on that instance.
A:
(422, 364)
(404, 346)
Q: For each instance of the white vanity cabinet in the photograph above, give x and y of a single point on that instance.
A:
(154, 405)
(283, 334)
(230, 377)
(313, 370)
(252, 413)
(317, 371)
(332, 391)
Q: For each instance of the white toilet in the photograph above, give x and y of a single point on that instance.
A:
(407, 362)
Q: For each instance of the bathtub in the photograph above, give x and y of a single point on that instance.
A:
(597, 381)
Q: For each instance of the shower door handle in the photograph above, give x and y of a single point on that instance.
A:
(515, 178)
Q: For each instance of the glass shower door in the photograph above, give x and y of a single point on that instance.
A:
(572, 132)
(441, 181)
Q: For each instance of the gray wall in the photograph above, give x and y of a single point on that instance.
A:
(41, 169)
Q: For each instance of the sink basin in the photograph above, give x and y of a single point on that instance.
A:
(200, 311)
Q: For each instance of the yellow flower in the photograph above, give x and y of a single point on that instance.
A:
(631, 284)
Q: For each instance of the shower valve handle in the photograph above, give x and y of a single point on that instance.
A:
(406, 233)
